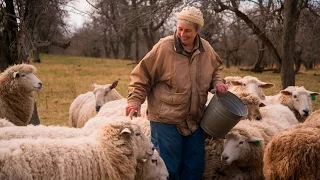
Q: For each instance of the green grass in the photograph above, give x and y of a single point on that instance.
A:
(65, 77)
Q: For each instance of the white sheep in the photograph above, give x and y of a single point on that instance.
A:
(253, 102)
(17, 84)
(296, 98)
(293, 154)
(117, 107)
(250, 84)
(279, 115)
(153, 168)
(244, 146)
(5, 123)
(87, 105)
(111, 152)
(52, 132)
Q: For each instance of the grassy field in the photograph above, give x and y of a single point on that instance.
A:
(65, 77)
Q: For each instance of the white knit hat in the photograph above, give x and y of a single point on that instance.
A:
(191, 14)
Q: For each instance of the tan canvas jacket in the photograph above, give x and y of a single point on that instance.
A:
(174, 84)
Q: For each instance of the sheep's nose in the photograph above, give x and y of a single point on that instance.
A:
(224, 158)
(40, 85)
(98, 108)
(258, 118)
(306, 112)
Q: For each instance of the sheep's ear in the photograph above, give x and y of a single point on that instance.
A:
(16, 75)
(285, 92)
(236, 83)
(114, 84)
(255, 140)
(266, 85)
(125, 131)
(262, 104)
(94, 85)
(313, 93)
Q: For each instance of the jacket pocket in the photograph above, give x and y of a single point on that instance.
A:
(174, 106)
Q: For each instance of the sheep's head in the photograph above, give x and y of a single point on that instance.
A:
(154, 168)
(300, 99)
(128, 137)
(27, 81)
(101, 91)
(20, 78)
(253, 85)
(253, 103)
(237, 147)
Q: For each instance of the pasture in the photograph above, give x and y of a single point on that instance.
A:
(65, 77)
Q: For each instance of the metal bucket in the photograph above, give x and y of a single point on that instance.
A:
(222, 114)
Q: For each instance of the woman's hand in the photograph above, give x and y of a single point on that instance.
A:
(133, 110)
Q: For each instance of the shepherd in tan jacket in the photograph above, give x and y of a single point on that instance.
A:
(175, 77)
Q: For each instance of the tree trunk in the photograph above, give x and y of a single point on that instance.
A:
(258, 68)
(36, 56)
(137, 45)
(127, 43)
(291, 15)
(10, 35)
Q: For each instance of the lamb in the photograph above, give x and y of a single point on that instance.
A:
(293, 154)
(153, 168)
(5, 123)
(250, 84)
(87, 105)
(244, 146)
(17, 84)
(296, 98)
(111, 152)
(253, 103)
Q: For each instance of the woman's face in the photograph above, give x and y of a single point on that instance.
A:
(186, 32)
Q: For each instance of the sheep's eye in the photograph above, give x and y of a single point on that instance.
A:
(138, 134)
(154, 161)
(294, 96)
(23, 75)
(244, 84)
(241, 142)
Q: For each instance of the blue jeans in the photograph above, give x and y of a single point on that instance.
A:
(183, 155)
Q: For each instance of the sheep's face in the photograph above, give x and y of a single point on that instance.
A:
(237, 147)
(300, 99)
(154, 168)
(27, 81)
(144, 146)
(102, 93)
(252, 85)
(254, 111)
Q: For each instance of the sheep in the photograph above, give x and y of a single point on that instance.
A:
(279, 115)
(153, 168)
(244, 146)
(314, 117)
(293, 154)
(253, 103)
(87, 105)
(17, 84)
(213, 167)
(296, 98)
(250, 84)
(112, 152)
(5, 123)
(52, 132)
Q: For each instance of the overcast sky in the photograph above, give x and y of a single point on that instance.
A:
(77, 13)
